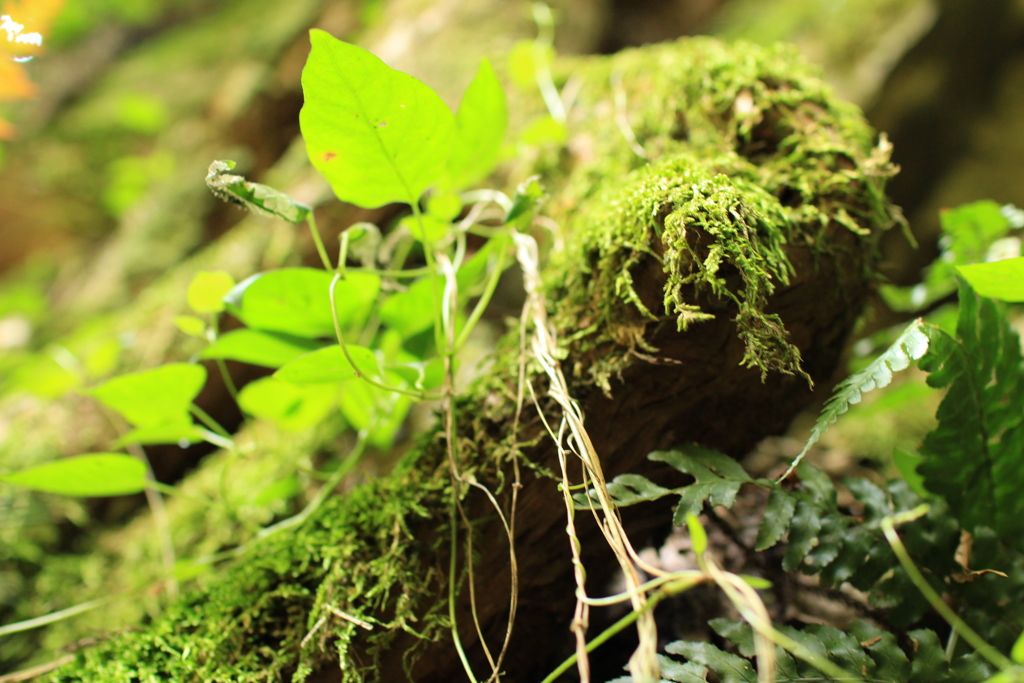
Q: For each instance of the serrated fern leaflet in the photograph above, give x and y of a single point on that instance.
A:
(910, 346)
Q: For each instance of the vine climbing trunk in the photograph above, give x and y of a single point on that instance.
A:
(719, 212)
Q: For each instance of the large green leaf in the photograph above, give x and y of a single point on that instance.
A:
(296, 301)
(289, 406)
(479, 129)
(154, 397)
(93, 474)
(269, 349)
(998, 280)
(974, 458)
(207, 289)
(378, 135)
(412, 311)
(329, 365)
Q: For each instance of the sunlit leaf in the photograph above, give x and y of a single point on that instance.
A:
(288, 405)
(378, 135)
(329, 364)
(172, 432)
(998, 280)
(153, 397)
(206, 291)
(479, 129)
(296, 301)
(412, 311)
(426, 227)
(444, 206)
(93, 474)
(269, 349)
(190, 325)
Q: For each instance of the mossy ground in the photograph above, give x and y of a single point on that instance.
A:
(744, 151)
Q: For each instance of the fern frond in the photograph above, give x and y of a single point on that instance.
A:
(974, 458)
(910, 346)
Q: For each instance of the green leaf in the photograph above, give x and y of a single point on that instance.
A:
(328, 365)
(718, 478)
(207, 290)
(803, 535)
(378, 135)
(479, 129)
(412, 311)
(777, 515)
(974, 458)
(998, 280)
(173, 432)
(260, 199)
(525, 201)
(444, 206)
(426, 228)
(1017, 653)
(153, 397)
(891, 664)
(296, 301)
(290, 406)
(625, 490)
(90, 475)
(269, 349)
(543, 131)
(907, 462)
(910, 346)
(190, 325)
(729, 667)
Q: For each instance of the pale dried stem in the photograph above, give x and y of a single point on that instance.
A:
(644, 663)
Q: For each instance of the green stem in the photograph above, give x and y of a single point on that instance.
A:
(210, 423)
(958, 624)
(428, 254)
(320, 249)
(52, 617)
(485, 298)
(668, 591)
(419, 396)
(452, 571)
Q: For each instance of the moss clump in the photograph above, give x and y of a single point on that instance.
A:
(753, 153)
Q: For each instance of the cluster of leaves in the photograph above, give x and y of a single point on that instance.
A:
(296, 320)
(874, 654)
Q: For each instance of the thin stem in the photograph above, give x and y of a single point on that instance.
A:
(52, 617)
(625, 621)
(418, 395)
(452, 572)
(485, 298)
(212, 424)
(320, 249)
(428, 254)
(958, 624)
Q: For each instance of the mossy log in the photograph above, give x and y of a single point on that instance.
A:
(720, 214)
